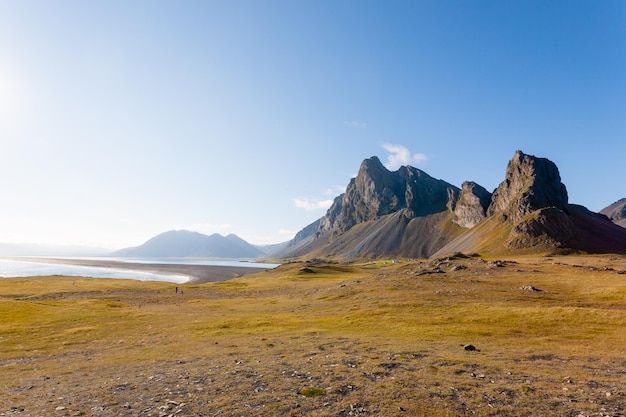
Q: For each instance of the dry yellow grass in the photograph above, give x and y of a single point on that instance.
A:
(369, 339)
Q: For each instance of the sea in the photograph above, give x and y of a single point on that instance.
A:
(13, 268)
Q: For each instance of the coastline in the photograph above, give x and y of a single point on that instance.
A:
(196, 274)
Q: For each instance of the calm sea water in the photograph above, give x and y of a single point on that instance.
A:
(24, 268)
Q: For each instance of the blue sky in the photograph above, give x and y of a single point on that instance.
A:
(123, 119)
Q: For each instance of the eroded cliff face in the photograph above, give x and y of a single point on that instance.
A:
(408, 213)
(471, 205)
(534, 200)
(530, 184)
(376, 192)
(545, 228)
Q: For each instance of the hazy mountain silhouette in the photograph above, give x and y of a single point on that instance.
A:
(184, 243)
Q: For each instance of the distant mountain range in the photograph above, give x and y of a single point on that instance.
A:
(184, 243)
(172, 244)
(407, 213)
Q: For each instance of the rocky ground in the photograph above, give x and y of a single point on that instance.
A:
(344, 378)
(231, 365)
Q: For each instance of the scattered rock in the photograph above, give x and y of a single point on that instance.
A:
(470, 347)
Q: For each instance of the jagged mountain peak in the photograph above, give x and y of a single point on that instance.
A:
(530, 212)
(372, 165)
(411, 214)
(530, 183)
(378, 212)
(376, 192)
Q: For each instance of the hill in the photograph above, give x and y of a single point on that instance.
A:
(184, 243)
(616, 212)
(407, 213)
(530, 212)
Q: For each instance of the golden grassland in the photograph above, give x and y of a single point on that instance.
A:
(324, 339)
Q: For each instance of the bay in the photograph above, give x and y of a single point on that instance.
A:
(14, 268)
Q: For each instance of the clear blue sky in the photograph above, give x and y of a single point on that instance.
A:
(123, 119)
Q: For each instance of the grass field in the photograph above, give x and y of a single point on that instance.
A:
(324, 339)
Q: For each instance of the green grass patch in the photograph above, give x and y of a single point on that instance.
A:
(312, 392)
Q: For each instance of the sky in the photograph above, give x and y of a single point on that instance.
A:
(120, 120)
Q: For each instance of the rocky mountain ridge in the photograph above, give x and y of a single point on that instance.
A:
(376, 192)
(407, 213)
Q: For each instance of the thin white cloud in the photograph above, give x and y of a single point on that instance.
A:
(335, 190)
(311, 204)
(418, 158)
(400, 155)
(356, 124)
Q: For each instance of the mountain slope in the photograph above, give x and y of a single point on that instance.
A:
(382, 213)
(271, 248)
(407, 213)
(616, 212)
(183, 243)
(530, 212)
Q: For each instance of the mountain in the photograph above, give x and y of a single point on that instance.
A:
(407, 213)
(271, 248)
(530, 212)
(616, 212)
(382, 213)
(183, 243)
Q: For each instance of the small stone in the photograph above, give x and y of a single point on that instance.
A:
(60, 408)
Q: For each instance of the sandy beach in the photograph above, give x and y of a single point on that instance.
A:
(196, 273)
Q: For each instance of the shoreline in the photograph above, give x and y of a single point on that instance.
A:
(197, 274)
